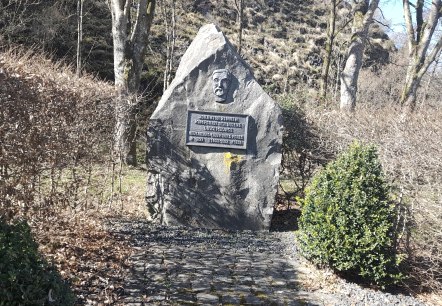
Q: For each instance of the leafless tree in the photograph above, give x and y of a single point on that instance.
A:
(131, 23)
(363, 17)
(168, 10)
(331, 27)
(79, 34)
(239, 5)
(420, 36)
(14, 14)
(431, 77)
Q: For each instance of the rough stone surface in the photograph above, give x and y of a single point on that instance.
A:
(213, 187)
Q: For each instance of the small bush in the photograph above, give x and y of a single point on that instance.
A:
(347, 220)
(25, 278)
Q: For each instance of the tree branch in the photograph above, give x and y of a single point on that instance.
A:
(428, 28)
(383, 24)
(409, 25)
(369, 15)
(432, 57)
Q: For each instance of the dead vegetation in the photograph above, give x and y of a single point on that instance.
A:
(57, 173)
(54, 128)
(410, 149)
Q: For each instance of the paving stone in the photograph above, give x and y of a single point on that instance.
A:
(200, 286)
(303, 303)
(205, 272)
(262, 281)
(279, 283)
(253, 300)
(224, 271)
(221, 287)
(262, 267)
(223, 279)
(153, 266)
(230, 299)
(158, 278)
(152, 259)
(207, 298)
(154, 289)
(183, 299)
(240, 271)
(132, 291)
(275, 274)
(241, 289)
(180, 286)
(131, 299)
(139, 268)
(156, 298)
(139, 257)
(292, 284)
(132, 282)
(260, 273)
(245, 280)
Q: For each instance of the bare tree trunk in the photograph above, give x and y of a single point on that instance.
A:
(331, 27)
(130, 36)
(419, 40)
(169, 15)
(430, 79)
(79, 34)
(240, 10)
(363, 16)
(409, 93)
(338, 74)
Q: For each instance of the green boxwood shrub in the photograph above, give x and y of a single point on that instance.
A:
(25, 278)
(347, 220)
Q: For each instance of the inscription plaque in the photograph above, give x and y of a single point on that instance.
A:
(220, 130)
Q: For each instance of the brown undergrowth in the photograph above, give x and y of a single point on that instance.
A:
(410, 149)
(89, 256)
(56, 171)
(54, 129)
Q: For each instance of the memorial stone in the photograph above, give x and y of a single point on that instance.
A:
(213, 142)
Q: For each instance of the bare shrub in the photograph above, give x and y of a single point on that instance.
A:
(54, 129)
(384, 86)
(410, 149)
(303, 149)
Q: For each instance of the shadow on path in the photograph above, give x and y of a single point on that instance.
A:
(183, 266)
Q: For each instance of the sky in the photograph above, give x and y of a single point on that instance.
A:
(393, 12)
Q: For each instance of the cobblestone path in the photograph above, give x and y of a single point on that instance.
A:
(176, 266)
(181, 266)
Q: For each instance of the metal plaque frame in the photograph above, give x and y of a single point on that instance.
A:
(218, 130)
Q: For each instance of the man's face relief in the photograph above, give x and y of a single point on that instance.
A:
(221, 83)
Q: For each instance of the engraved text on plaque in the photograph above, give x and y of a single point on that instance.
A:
(221, 130)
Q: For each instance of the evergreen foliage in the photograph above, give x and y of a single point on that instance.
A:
(25, 278)
(347, 220)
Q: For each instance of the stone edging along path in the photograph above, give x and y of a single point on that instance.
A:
(182, 266)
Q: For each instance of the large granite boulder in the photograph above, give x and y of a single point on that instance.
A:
(214, 142)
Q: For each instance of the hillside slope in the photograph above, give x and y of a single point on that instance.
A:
(283, 40)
